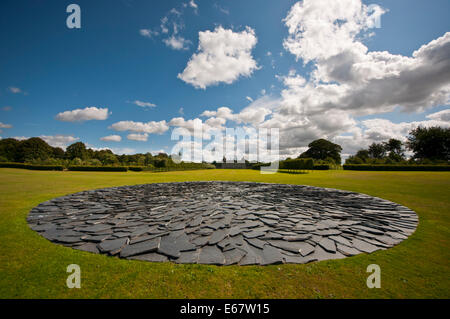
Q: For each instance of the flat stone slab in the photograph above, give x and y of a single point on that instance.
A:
(223, 223)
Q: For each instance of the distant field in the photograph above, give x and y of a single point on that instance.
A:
(32, 267)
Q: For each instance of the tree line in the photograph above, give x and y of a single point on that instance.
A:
(36, 151)
(427, 146)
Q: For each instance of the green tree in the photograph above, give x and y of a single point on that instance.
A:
(109, 159)
(354, 160)
(363, 155)
(58, 153)
(76, 161)
(33, 148)
(377, 150)
(77, 149)
(160, 162)
(162, 155)
(321, 149)
(93, 162)
(149, 159)
(395, 150)
(8, 149)
(431, 143)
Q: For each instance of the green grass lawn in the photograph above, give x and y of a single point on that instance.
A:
(33, 267)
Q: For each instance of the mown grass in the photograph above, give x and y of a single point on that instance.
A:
(32, 267)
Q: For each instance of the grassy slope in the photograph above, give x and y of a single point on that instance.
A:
(32, 267)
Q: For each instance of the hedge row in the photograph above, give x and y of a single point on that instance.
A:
(33, 166)
(321, 167)
(369, 167)
(181, 167)
(293, 171)
(189, 166)
(98, 168)
(297, 163)
(173, 168)
(257, 166)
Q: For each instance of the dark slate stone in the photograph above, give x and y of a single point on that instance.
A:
(328, 232)
(253, 256)
(147, 246)
(112, 246)
(43, 227)
(168, 246)
(341, 240)
(96, 238)
(200, 241)
(256, 242)
(300, 237)
(183, 243)
(223, 222)
(188, 257)
(235, 231)
(217, 236)
(328, 245)
(196, 221)
(89, 247)
(270, 222)
(271, 255)
(364, 246)
(288, 259)
(388, 240)
(211, 255)
(233, 256)
(121, 234)
(322, 254)
(306, 249)
(68, 239)
(254, 234)
(224, 242)
(346, 250)
(237, 240)
(295, 247)
(95, 228)
(153, 257)
(139, 239)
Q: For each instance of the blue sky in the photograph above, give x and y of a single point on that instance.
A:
(120, 56)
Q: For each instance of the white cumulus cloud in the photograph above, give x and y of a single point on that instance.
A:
(15, 90)
(193, 4)
(3, 125)
(151, 127)
(443, 116)
(86, 114)
(138, 137)
(177, 42)
(348, 80)
(143, 104)
(148, 33)
(222, 56)
(111, 138)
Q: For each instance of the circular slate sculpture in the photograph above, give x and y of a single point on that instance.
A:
(223, 223)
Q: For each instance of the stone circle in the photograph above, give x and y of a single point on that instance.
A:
(223, 223)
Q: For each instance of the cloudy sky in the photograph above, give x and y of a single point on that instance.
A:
(350, 71)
